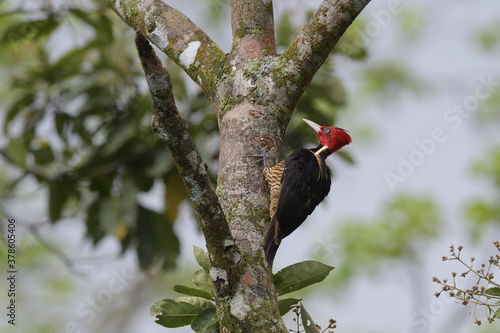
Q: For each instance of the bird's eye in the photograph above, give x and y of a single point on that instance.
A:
(326, 130)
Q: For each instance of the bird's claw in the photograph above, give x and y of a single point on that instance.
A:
(263, 156)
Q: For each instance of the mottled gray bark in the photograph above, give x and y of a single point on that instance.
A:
(254, 92)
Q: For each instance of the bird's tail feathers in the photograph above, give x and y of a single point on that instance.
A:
(270, 245)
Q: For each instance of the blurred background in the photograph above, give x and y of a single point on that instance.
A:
(102, 224)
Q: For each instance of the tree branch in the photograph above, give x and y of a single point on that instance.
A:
(178, 37)
(173, 131)
(252, 24)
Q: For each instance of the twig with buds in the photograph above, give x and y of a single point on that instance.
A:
(485, 292)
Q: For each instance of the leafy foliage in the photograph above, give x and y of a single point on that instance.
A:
(485, 211)
(362, 247)
(488, 38)
(77, 121)
(390, 79)
(197, 307)
(490, 166)
(487, 112)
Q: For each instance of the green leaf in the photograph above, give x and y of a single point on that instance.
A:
(286, 304)
(43, 155)
(205, 321)
(67, 66)
(481, 212)
(176, 193)
(203, 281)
(497, 313)
(307, 322)
(16, 150)
(202, 303)
(493, 291)
(94, 229)
(101, 24)
(59, 193)
(157, 240)
(108, 215)
(170, 313)
(163, 167)
(119, 137)
(17, 106)
(201, 258)
(300, 275)
(127, 204)
(191, 291)
(489, 37)
(489, 167)
(29, 30)
(143, 182)
(83, 15)
(61, 121)
(391, 78)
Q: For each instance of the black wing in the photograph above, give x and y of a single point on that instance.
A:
(305, 183)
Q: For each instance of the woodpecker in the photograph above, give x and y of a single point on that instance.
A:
(298, 184)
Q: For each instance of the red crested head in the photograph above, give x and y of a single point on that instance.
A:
(332, 137)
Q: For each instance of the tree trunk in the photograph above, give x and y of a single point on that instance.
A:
(254, 92)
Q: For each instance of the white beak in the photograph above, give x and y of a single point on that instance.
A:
(315, 126)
